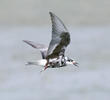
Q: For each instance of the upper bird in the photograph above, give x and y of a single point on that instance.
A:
(56, 50)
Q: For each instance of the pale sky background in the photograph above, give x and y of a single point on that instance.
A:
(74, 12)
(88, 22)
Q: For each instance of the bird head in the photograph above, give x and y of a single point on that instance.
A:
(71, 61)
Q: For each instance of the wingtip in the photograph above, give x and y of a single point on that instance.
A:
(24, 41)
(50, 13)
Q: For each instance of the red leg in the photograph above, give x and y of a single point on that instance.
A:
(46, 65)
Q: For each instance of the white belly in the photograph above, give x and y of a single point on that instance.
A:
(41, 62)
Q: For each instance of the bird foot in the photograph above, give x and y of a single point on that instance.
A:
(75, 63)
(44, 68)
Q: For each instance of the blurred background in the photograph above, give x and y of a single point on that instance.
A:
(88, 22)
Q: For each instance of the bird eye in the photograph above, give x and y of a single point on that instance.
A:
(69, 60)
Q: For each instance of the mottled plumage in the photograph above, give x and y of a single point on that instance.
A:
(60, 38)
(54, 55)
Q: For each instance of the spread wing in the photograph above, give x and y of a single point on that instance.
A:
(60, 37)
(41, 47)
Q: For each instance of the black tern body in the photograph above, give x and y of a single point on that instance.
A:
(54, 55)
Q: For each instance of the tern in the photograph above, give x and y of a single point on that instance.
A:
(54, 55)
